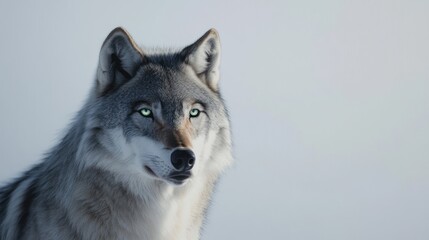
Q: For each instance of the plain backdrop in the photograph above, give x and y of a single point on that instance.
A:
(328, 99)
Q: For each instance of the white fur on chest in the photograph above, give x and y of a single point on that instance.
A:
(178, 212)
(170, 212)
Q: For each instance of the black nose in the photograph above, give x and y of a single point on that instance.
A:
(183, 159)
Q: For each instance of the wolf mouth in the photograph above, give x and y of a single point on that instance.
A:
(179, 177)
(176, 177)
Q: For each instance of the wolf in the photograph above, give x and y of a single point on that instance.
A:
(141, 158)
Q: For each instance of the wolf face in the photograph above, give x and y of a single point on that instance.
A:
(159, 116)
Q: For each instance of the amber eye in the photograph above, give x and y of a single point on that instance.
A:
(146, 112)
(194, 113)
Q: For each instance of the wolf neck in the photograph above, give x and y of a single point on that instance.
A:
(181, 210)
(166, 212)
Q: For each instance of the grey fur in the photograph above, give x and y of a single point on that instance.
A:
(95, 184)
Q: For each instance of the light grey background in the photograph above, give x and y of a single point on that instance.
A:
(329, 104)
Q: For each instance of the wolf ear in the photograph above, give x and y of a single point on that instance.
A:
(119, 60)
(204, 58)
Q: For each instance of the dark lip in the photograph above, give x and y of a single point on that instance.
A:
(179, 177)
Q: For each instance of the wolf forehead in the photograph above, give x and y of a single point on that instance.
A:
(155, 82)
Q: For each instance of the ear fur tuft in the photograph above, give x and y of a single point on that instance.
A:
(119, 60)
(204, 58)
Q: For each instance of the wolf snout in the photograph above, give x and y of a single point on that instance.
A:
(183, 159)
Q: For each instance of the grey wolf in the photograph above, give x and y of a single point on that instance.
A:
(141, 158)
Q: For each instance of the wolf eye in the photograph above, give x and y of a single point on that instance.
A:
(194, 113)
(146, 112)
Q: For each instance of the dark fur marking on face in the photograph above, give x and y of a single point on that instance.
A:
(177, 138)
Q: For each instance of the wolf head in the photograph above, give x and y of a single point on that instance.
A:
(157, 117)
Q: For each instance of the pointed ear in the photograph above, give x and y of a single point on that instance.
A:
(204, 58)
(119, 60)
